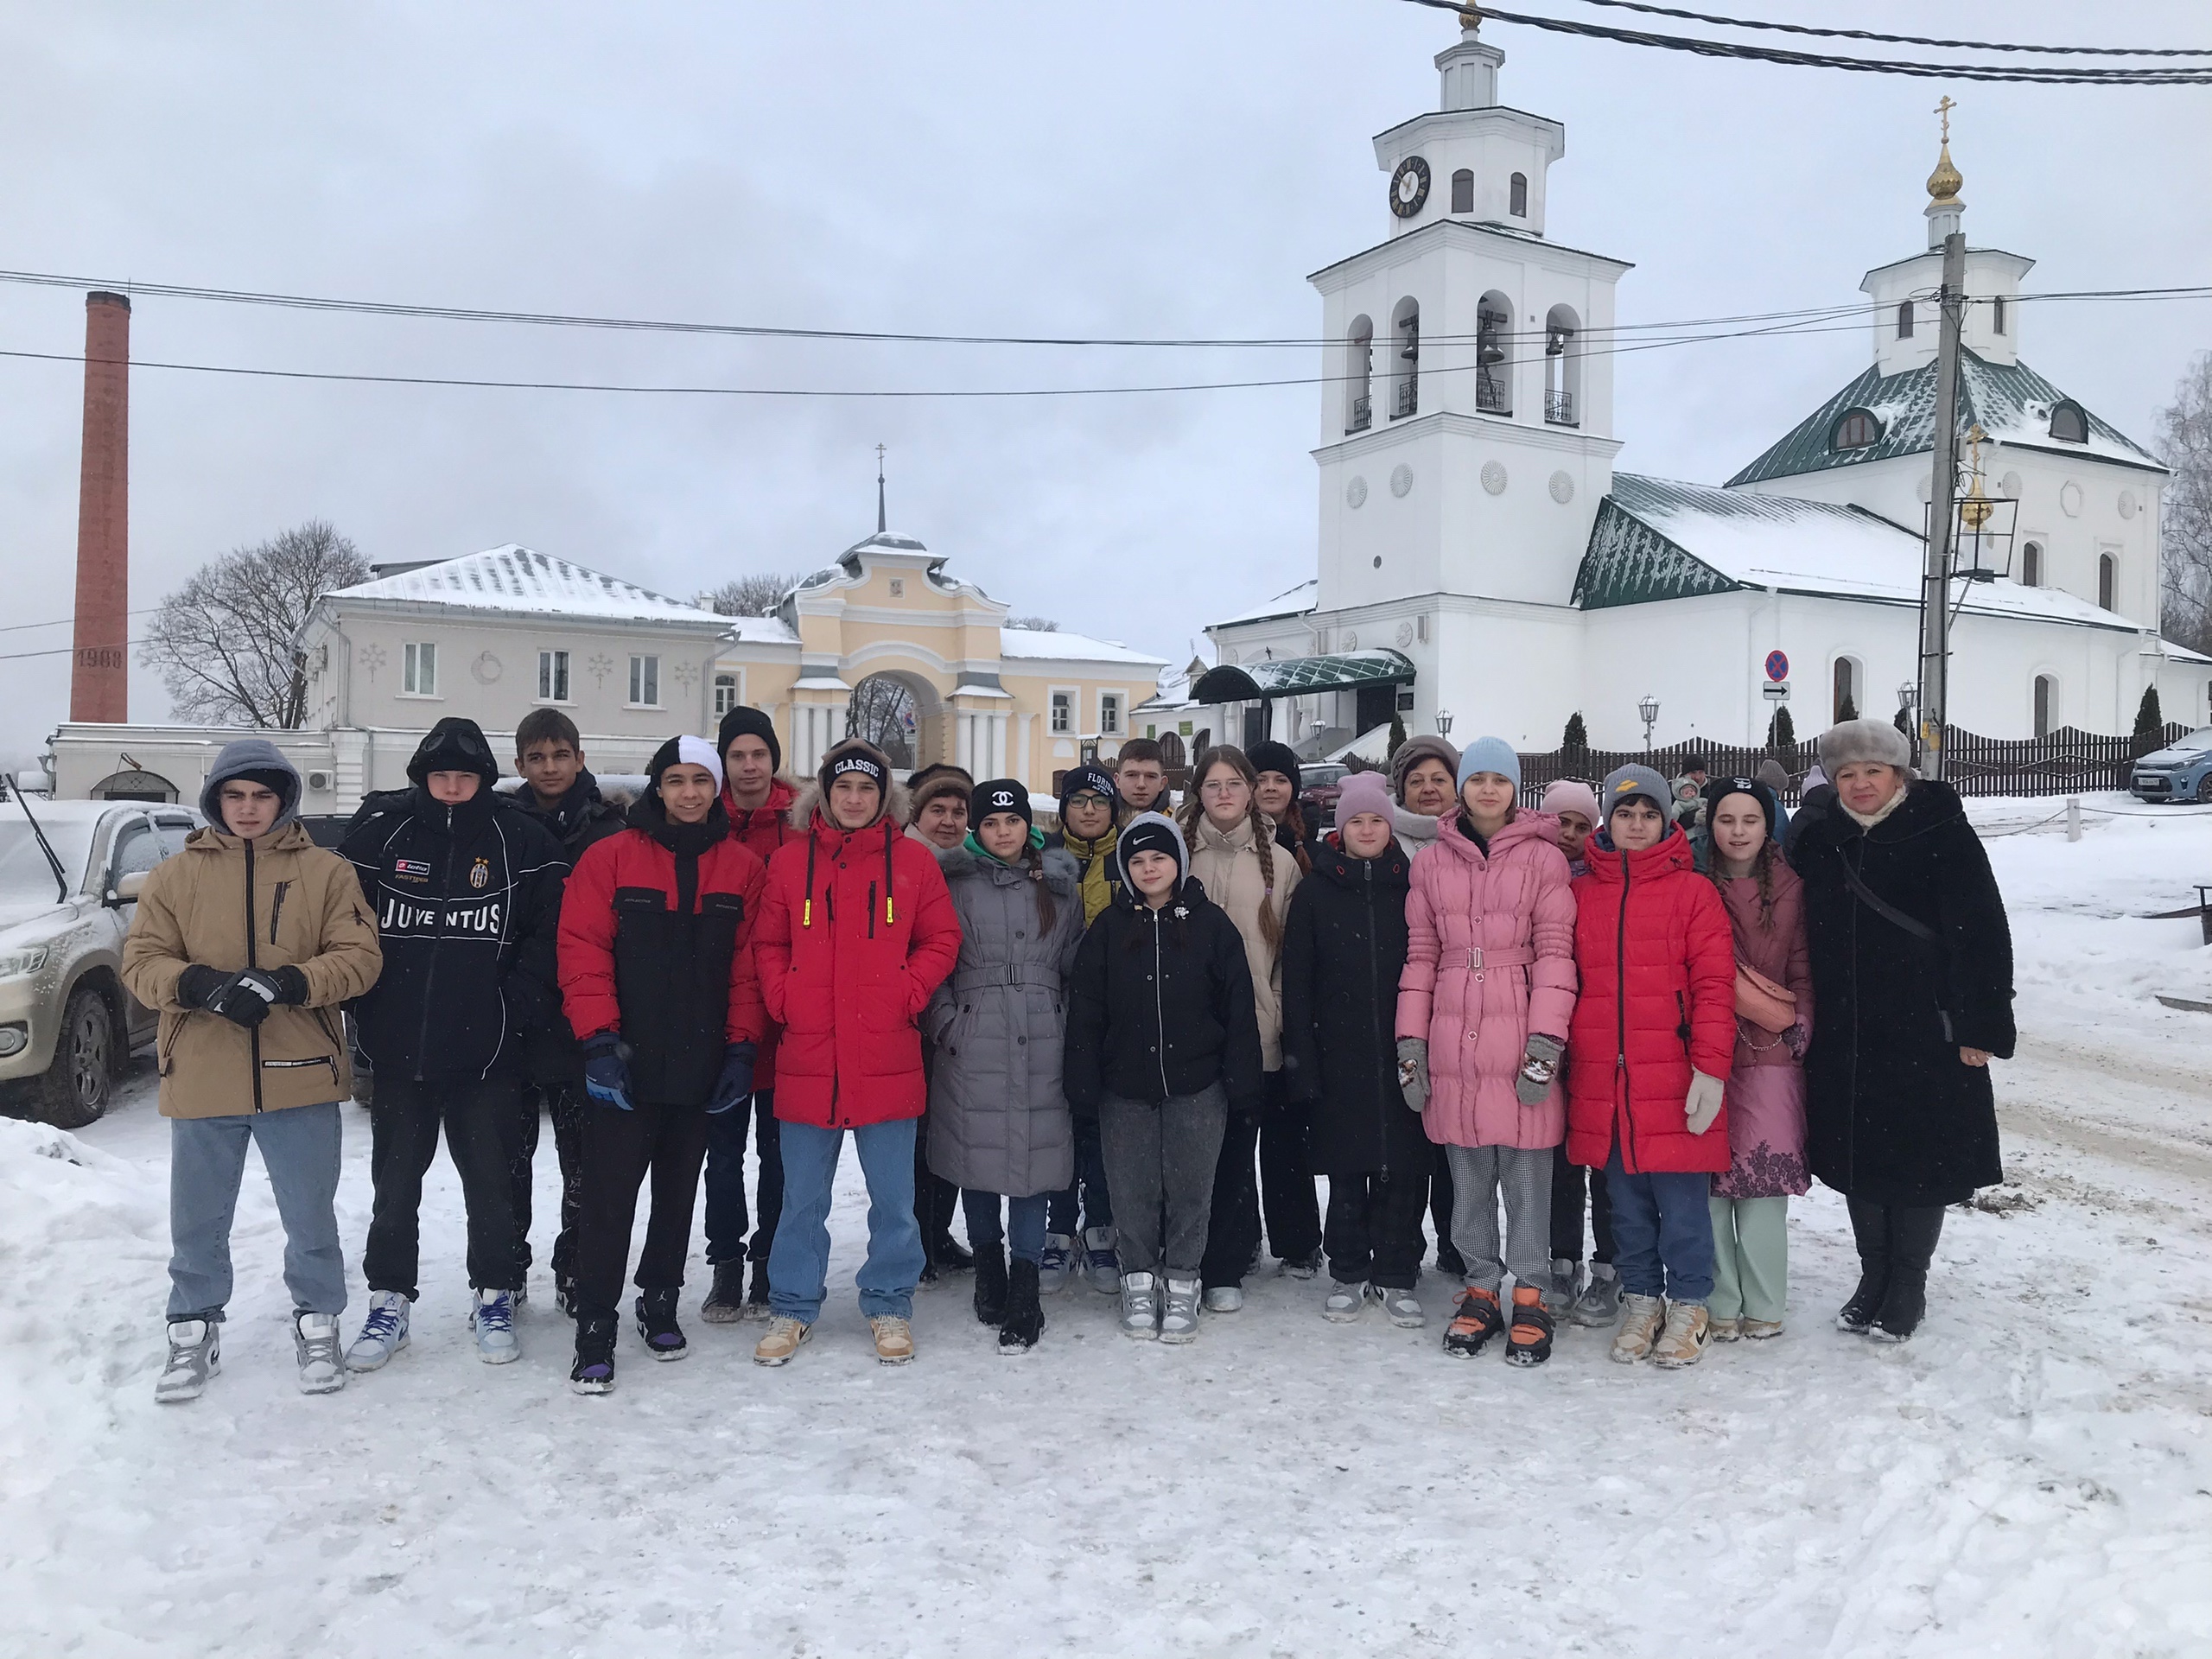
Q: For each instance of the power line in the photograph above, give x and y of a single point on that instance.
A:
(62, 651)
(1908, 40)
(59, 621)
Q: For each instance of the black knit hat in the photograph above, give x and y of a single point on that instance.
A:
(1721, 788)
(453, 745)
(999, 795)
(743, 721)
(1095, 779)
(1271, 756)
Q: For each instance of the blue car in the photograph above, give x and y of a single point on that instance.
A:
(2182, 772)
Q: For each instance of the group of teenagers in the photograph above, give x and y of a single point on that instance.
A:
(1124, 1050)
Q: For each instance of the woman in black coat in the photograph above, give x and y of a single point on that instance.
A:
(1912, 974)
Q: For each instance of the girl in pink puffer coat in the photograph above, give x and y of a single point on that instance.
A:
(1483, 1008)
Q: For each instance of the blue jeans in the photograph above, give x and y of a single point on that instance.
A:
(299, 1149)
(1089, 1187)
(1663, 1232)
(727, 1217)
(798, 1263)
(1025, 1223)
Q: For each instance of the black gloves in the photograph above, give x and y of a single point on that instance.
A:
(197, 983)
(243, 998)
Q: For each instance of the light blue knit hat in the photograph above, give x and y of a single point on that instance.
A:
(1489, 754)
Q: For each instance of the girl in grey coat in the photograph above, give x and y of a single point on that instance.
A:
(999, 1124)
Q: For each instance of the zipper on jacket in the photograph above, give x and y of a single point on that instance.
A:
(1160, 1003)
(276, 909)
(253, 1037)
(1626, 1113)
(430, 972)
(871, 910)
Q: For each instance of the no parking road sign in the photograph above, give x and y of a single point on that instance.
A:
(1777, 666)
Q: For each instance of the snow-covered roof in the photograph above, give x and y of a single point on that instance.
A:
(1291, 601)
(1658, 539)
(1036, 644)
(514, 578)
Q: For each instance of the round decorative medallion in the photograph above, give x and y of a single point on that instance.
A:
(486, 668)
(2127, 504)
(2009, 486)
(1350, 641)
(1404, 633)
(1562, 488)
(1494, 477)
(2069, 499)
(1401, 481)
(1355, 493)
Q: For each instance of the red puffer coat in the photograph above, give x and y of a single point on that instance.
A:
(761, 831)
(846, 969)
(1657, 965)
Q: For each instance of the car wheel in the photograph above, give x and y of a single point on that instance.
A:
(76, 1088)
(2204, 789)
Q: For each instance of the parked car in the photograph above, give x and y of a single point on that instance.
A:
(1320, 782)
(70, 873)
(2182, 772)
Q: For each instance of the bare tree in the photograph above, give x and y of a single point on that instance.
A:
(883, 712)
(754, 595)
(2185, 445)
(223, 642)
(1034, 624)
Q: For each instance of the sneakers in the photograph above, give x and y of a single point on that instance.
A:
(990, 1284)
(314, 1344)
(1474, 1322)
(785, 1337)
(725, 1303)
(655, 1310)
(1140, 1307)
(1025, 1315)
(1179, 1320)
(564, 1294)
(756, 1299)
(1761, 1330)
(1723, 1330)
(1599, 1303)
(1529, 1339)
(1220, 1298)
(492, 1317)
(894, 1338)
(1052, 1274)
(1683, 1343)
(1102, 1268)
(383, 1333)
(1307, 1266)
(1402, 1306)
(594, 1371)
(195, 1355)
(1566, 1286)
(1345, 1304)
(1640, 1319)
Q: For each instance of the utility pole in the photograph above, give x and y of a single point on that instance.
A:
(1945, 212)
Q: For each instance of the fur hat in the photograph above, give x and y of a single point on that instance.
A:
(1412, 752)
(742, 722)
(1363, 791)
(1864, 739)
(1572, 795)
(939, 779)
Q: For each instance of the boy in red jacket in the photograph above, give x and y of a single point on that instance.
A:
(856, 930)
(1651, 1041)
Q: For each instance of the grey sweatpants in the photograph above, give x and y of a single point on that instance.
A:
(1162, 1157)
(299, 1149)
(1525, 1176)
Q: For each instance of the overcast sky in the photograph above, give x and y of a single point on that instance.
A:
(1157, 168)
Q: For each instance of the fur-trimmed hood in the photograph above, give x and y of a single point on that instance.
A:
(810, 797)
(1061, 874)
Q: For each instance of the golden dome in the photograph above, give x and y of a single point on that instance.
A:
(1944, 183)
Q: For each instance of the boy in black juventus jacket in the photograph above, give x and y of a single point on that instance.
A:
(465, 889)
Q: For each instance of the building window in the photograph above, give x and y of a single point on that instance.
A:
(2032, 565)
(1405, 379)
(1562, 368)
(1518, 196)
(1063, 713)
(1845, 705)
(1905, 320)
(1359, 376)
(645, 682)
(1997, 316)
(1855, 428)
(419, 677)
(2046, 704)
(552, 676)
(724, 694)
(1493, 362)
(1463, 192)
(2107, 582)
(2069, 424)
(1109, 714)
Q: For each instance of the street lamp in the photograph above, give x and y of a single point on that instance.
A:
(1907, 693)
(1648, 708)
(1443, 723)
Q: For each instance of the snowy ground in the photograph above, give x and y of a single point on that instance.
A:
(2033, 1476)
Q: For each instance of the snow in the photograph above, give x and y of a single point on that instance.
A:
(2033, 1476)
(514, 578)
(1291, 601)
(1059, 645)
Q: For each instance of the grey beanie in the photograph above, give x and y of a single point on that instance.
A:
(1864, 739)
(263, 761)
(1626, 783)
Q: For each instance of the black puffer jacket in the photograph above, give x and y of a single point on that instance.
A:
(1892, 1114)
(1344, 946)
(1160, 1004)
(467, 900)
(582, 817)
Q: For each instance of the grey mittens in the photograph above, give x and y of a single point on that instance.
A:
(1413, 1071)
(1539, 1065)
(1704, 1102)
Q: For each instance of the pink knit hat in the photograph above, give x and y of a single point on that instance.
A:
(1568, 796)
(1363, 791)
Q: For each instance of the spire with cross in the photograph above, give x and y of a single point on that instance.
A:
(881, 523)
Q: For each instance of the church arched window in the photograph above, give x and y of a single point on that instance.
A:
(1997, 316)
(1463, 191)
(2032, 565)
(1905, 320)
(1855, 428)
(1843, 688)
(2068, 423)
(1562, 367)
(2107, 582)
(1404, 359)
(1359, 376)
(2046, 704)
(1516, 199)
(1493, 354)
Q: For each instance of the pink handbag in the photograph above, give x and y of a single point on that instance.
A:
(1770, 1006)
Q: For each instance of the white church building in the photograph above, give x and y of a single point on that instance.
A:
(1483, 568)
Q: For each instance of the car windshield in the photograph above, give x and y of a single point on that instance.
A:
(2200, 739)
(1319, 777)
(24, 873)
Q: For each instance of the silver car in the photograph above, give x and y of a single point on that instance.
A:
(70, 872)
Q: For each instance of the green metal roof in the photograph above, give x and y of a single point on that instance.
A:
(1291, 676)
(1628, 563)
(2011, 404)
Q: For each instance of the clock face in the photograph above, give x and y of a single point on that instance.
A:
(1409, 187)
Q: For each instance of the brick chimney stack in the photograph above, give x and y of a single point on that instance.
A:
(99, 673)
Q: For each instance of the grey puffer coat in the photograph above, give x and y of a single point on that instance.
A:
(998, 1120)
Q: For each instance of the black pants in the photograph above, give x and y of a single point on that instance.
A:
(1286, 1198)
(1895, 1241)
(727, 1217)
(1567, 1181)
(483, 1133)
(565, 1106)
(1233, 1219)
(1373, 1229)
(1439, 1212)
(619, 1148)
(935, 1199)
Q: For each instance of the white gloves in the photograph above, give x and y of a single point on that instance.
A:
(1704, 1102)
(1413, 1071)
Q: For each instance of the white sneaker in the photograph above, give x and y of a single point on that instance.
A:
(1345, 1304)
(195, 1355)
(1053, 1271)
(492, 1317)
(1640, 1320)
(1224, 1299)
(383, 1333)
(1140, 1307)
(1179, 1320)
(1102, 1268)
(314, 1344)
(1402, 1306)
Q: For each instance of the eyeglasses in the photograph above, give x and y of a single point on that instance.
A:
(1221, 786)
